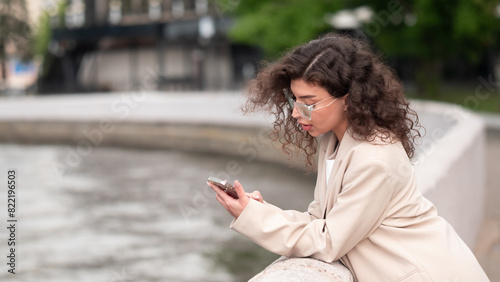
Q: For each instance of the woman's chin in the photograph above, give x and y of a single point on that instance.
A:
(313, 133)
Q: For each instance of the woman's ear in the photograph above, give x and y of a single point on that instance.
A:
(344, 102)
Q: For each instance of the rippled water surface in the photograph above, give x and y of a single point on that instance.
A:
(112, 214)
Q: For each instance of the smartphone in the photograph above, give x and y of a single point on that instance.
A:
(224, 185)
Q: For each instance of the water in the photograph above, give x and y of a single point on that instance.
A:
(112, 214)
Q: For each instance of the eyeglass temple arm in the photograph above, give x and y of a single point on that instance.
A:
(288, 97)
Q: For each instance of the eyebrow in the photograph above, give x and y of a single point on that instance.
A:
(310, 96)
(305, 96)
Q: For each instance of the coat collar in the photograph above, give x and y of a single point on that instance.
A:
(328, 141)
(329, 193)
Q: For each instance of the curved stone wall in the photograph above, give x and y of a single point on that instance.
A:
(450, 166)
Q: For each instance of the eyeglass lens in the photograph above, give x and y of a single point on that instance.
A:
(303, 110)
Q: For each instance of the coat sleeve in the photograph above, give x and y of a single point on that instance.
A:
(313, 212)
(358, 211)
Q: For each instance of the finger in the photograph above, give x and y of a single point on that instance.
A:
(215, 188)
(257, 196)
(239, 189)
(254, 196)
(221, 201)
(223, 195)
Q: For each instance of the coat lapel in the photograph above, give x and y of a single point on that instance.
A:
(320, 191)
(329, 193)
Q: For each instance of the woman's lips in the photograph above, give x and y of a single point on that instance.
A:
(306, 127)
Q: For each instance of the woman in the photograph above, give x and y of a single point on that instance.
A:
(367, 210)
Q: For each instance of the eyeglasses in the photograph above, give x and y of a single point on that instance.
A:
(305, 110)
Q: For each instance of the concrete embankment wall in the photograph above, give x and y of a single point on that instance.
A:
(452, 172)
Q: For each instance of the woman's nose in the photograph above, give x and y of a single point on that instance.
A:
(295, 112)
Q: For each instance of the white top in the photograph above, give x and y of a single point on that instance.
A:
(330, 161)
(329, 166)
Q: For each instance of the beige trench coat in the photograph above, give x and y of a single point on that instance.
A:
(371, 216)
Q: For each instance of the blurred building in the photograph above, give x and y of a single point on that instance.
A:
(125, 45)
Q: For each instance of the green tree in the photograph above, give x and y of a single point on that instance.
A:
(15, 30)
(42, 35)
(431, 31)
(278, 25)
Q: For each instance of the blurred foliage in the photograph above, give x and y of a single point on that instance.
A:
(434, 32)
(43, 34)
(430, 31)
(14, 27)
(42, 38)
(278, 25)
(441, 28)
(468, 96)
(14, 30)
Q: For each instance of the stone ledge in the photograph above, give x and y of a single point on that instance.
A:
(303, 269)
(247, 142)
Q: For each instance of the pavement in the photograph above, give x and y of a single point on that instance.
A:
(222, 109)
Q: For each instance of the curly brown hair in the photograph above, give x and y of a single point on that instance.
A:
(341, 65)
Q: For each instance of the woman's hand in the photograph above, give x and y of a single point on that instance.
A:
(232, 205)
(256, 196)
